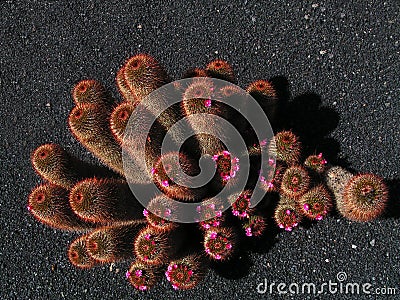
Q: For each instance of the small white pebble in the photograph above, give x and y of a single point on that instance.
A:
(327, 260)
(306, 17)
(354, 246)
(216, 52)
(372, 243)
(322, 52)
(334, 103)
(116, 271)
(47, 104)
(139, 26)
(315, 5)
(111, 267)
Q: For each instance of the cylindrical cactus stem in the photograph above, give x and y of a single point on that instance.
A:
(295, 182)
(78, 254)
(156, 248)
(57, 166)
(208, 145)
(241, 205)
(143, 75)
(169, 168)
(161, 104)
(211, 215)
(143, 117)
(119, 120)
(364, 197)
(200, 98)
(286, 147)
(221, 69)
(194, 73)
(113, 243)
(254, 226)
(126, 93)
(141, 144)
(259, 169)
(49, 204)
(238, 98)
(286, 214)
(336, 179)
(316, 203)
(227, 169)
(220, 243)
(264, 93)
(186, 273)
(143, 276)
(272, 183)
(92, 92)
(316, 163)
(89, 123)
(160, 213)
(104, 201)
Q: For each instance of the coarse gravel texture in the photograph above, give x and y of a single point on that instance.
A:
(346, 53)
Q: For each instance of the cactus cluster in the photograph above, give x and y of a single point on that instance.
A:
(115, 226)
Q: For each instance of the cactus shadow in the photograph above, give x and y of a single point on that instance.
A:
(307, 118)
(313, 122)
(235, 268)
(393, 207)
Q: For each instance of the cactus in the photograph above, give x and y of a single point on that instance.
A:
(255, 226)
(316, 203)
(287, 215)
(143, 276)
(155, 248)
(112, 243)
(220, 243)
(99, 202)
(185, 273)
(295, 182)
(287, 147)
(78, 254)
(364, 197)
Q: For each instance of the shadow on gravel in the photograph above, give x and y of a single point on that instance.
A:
(393, 209)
